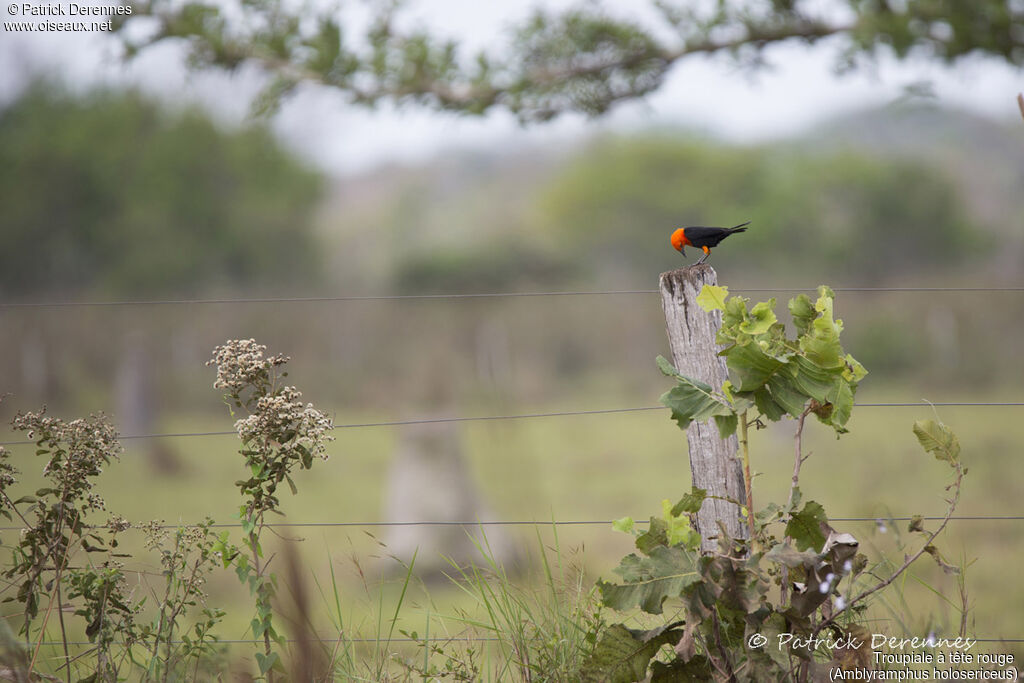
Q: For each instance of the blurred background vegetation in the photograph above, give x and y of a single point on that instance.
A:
(107, 197)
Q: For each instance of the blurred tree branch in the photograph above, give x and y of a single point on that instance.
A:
(583, 60)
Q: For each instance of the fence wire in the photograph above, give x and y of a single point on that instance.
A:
(885, 519)
(456, 297)
(525, 416)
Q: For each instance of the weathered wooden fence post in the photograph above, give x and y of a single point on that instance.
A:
(713, 461)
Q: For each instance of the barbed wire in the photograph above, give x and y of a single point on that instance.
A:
(458, 296)
(525, 416)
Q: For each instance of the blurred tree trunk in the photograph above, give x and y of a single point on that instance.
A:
(136, 401)
(430, 481)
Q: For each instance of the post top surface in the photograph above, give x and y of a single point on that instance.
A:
(696, 275)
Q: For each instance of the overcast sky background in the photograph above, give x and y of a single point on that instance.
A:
(707, 93)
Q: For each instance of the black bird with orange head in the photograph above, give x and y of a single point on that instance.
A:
(703, 238)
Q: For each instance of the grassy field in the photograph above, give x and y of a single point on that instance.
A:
(602, 467)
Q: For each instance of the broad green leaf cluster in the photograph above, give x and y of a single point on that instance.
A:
(769, 371)
(794, 574)
(813, 577)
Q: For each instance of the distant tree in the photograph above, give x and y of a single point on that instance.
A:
(868, 218)
(107, 193)
(838, 213)
(584, 59)
(615, 203)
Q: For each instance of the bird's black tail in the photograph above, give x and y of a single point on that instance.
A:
(739, 228)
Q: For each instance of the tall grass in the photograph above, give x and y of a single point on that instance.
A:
(540, 627)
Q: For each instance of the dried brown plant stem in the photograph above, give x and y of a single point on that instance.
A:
(60, 616)
(798, 458)
(725, 668)
(748, 484)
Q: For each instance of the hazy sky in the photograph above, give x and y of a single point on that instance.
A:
(704, 92)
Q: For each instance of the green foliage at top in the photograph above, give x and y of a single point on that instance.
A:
(581, 59)
(106, 193)
(769, 371)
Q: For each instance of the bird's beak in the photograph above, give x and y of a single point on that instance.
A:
(682, 250)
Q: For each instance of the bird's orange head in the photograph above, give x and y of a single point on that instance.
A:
(679, 239)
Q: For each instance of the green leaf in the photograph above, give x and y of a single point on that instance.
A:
(854, 372)
(681, 533)
(841, 398)
(803, 313)
(265, 661)
(712, 298)
(726, 425)
(762, 317)
(678, 529)
(649, 581)
(785, 393)
(805, 527)
(693, 400)
(622, 655)
(935, 437)
(655, 536)
(812, 380)
(821, 341)
(691, 502)
(624, 524)
(767, 405)
(734, 313)
(248, 525)
(667, 368)
(750, 366)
